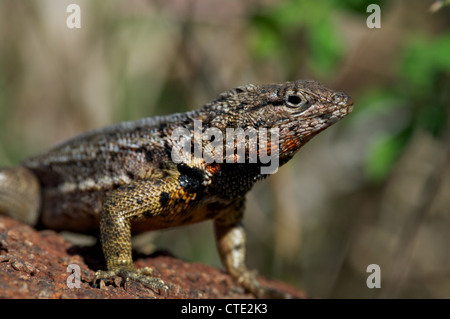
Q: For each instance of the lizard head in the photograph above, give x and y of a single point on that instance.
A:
(299, 110)
(302, 109)
(292, 112)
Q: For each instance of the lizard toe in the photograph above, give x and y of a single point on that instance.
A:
(141, 276)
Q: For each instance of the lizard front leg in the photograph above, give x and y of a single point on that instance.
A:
(127, 203)
(231, 240)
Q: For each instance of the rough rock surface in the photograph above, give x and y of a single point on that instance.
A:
(33, 264)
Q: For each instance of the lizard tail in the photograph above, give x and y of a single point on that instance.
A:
(20, 194)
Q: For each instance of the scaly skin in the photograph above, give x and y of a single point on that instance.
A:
(123, 178)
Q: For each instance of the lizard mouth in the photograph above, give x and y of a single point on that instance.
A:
(349, 101)
(349, 104)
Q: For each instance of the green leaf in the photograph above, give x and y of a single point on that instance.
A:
(325, 48)
(383, 154)
(424, 60)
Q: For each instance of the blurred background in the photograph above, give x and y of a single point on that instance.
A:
(373, 189)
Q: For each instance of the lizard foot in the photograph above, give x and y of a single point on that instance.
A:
(249, 281)
(141, 275)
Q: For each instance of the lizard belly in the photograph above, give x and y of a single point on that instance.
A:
(205, 209)
(191, 216)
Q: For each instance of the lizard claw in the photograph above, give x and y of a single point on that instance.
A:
(249, 281)
(141, 275)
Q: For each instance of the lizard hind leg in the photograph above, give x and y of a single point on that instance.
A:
(20, 194)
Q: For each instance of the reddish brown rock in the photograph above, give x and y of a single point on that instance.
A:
(33, 264)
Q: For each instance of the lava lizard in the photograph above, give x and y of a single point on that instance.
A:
(123, 179)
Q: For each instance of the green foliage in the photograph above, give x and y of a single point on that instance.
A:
(425, 61)
(275, 34)
(425, 72)
(359, 6)
(422, 92)
(384, 151)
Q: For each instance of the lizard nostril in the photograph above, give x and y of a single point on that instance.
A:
(337, 98)
(341, 98)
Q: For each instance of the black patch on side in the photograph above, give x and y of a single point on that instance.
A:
(164, 198)
(191, 178)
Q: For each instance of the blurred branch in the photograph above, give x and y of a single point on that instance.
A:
(438, 5)
(408, 238)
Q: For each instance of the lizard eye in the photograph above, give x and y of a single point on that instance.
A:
(297, 101)
(293, 100)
